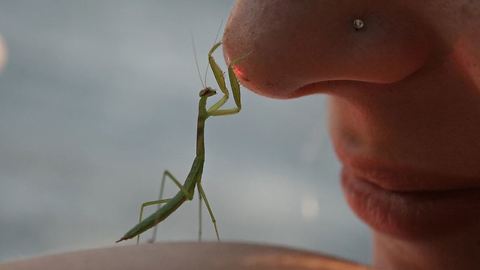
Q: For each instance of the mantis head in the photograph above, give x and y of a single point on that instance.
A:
(207, 92)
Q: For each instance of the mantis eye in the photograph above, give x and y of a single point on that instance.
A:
(358, 24)
(207, 92)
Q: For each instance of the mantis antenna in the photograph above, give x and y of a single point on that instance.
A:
(204, 83)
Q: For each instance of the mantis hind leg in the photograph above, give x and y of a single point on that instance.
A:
(199, 218)
(145, 204)
(212, 217)
(169, 175)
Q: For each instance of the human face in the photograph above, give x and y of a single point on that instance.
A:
(405, 99)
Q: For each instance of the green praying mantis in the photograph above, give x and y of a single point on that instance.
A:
(194, 178)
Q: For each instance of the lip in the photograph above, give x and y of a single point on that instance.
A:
(396, 177)
(408, 202)
(410, 214)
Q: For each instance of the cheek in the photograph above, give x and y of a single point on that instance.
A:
(297, 44)
(467, 57)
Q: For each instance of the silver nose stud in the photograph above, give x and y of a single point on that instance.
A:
(358, 24)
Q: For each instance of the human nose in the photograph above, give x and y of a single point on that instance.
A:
(301, 47)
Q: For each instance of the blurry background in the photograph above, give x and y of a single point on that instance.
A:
(99, 97)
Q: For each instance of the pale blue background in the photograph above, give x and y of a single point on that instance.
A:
(99, 97)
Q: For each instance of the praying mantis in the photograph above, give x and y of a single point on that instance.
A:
(194, 178)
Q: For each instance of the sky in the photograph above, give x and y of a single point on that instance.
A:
(98, 98)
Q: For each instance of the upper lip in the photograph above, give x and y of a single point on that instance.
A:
(400, 178)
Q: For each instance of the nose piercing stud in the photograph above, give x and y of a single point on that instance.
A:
(358, 24)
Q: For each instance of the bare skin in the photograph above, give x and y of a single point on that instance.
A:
(404, 110)
(170, 256)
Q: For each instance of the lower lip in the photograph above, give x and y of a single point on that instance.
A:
(411, 214)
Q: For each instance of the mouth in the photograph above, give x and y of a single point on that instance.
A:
(411, 214)
(407, 203)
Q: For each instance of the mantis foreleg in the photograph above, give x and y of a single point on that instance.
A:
(215, 109)
(219, 77)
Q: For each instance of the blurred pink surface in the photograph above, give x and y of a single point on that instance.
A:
(187, 255)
